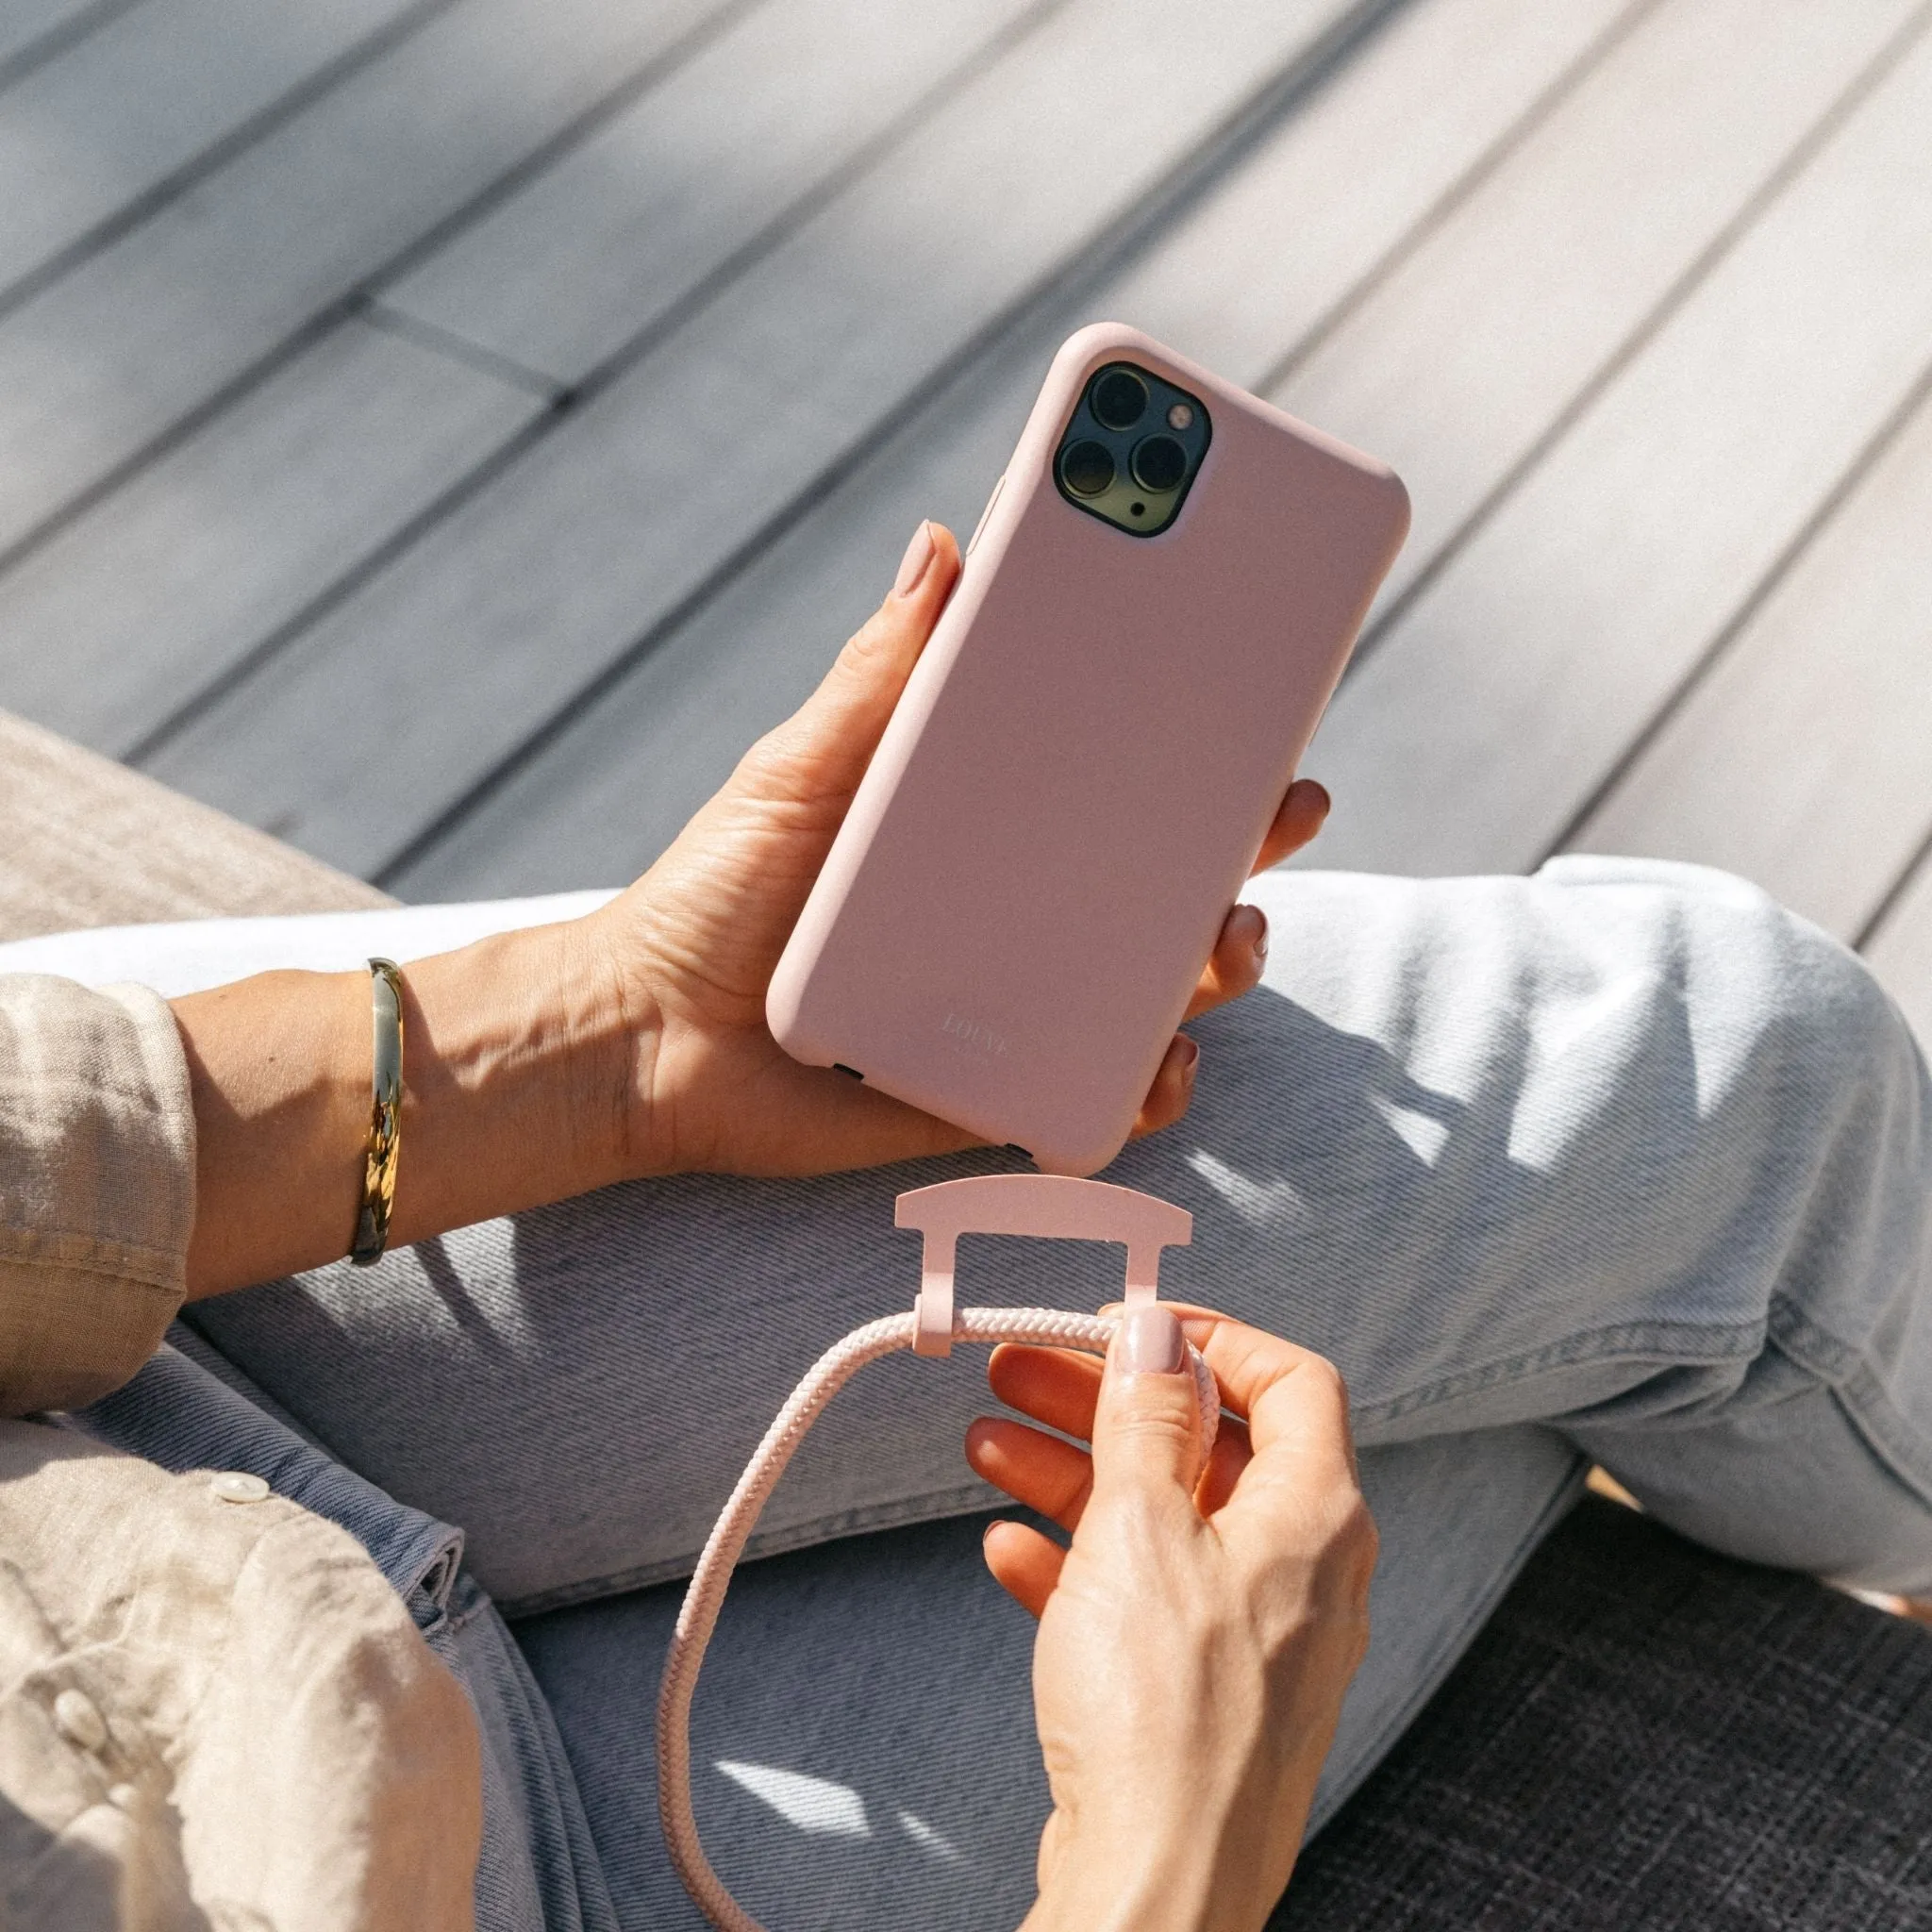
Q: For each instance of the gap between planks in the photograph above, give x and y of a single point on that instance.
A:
(1516, 677)
(371, 197)
(193, 650)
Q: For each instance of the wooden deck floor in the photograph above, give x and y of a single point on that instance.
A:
(443, 432)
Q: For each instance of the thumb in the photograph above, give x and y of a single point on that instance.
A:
(1146, 1428)
(823, 749)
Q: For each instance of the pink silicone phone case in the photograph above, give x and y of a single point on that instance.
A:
(1080, 771)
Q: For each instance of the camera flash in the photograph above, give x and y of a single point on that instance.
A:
(1179, 416)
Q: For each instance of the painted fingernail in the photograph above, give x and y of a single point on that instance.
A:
(915, 563)
(1151, 1340)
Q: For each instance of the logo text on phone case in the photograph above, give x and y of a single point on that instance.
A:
(971, 1036)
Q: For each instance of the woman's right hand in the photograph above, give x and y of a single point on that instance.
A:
(1196, 1638)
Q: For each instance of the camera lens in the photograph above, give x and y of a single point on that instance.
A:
(1088, 468)
(1158, 463)
(1119, 399)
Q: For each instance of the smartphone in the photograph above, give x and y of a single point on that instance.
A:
(1156, 603)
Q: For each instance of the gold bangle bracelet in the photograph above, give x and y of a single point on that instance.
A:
(385, 1115)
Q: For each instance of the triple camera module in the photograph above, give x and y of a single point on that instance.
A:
(1132, 450)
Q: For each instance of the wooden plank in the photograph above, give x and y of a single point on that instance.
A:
(1276, 236)
(619, 232)
(1454, 365)
(141, 98)
(172, 579)
(1614, 193)
(1253, 265)
(120, 351)
(1340, 189)
(737, 420)
(1900, 952)
(266, 540)
(1802, 759)
(1507, 689)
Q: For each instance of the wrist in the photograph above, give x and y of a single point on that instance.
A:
(519, 1078)
(1134, 1888)
(1188, 1878)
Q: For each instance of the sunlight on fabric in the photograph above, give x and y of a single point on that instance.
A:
(1255, 1201)
(812, 1803)
(1421, 1133)
(928, 1837)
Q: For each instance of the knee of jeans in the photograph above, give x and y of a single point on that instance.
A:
(1837, 1032)
(1816, 1018)
(1836, 1095)
(1799, 1058)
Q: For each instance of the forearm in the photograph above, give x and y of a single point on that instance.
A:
(521, 1065)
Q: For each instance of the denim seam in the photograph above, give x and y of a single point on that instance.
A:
(453, 1622)
(930, 1507)
(1844, 1371)
(1677, 1343)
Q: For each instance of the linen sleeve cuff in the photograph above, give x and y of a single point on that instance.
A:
(96, 1187)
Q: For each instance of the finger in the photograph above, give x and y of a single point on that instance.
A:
(1173, 1089)
(1304, 808)
(1146, 1428)
(1025, 1563)
(1040, 1471)
(1226, 1462)
(1296, 1405)
(1055, 1385)
(825, 745)
(1059, 1388)
(1246, 1362)
(1264, 1378)
(1234, 965)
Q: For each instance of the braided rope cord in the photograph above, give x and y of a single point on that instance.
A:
(705, 1597)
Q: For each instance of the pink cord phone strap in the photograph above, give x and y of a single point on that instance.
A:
(1047, 1205)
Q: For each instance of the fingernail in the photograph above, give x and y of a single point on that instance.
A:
(1151, 1340)
(1191, 1055)
(1247, 926)
(915, 563)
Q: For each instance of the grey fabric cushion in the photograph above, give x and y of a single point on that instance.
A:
(1652, 1739)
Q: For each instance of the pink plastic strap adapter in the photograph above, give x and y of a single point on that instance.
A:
(1053, 1206)
(1047, 1205)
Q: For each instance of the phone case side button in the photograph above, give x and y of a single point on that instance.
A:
(972, 540)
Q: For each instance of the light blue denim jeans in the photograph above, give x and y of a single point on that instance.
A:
(1618, 1162)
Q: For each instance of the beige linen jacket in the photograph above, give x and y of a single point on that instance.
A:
(214, 1714)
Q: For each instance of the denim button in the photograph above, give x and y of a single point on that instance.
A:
(79, 1720)
(237, 1486)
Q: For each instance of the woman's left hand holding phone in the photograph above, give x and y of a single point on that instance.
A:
(545, 1063)
(699, 936)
